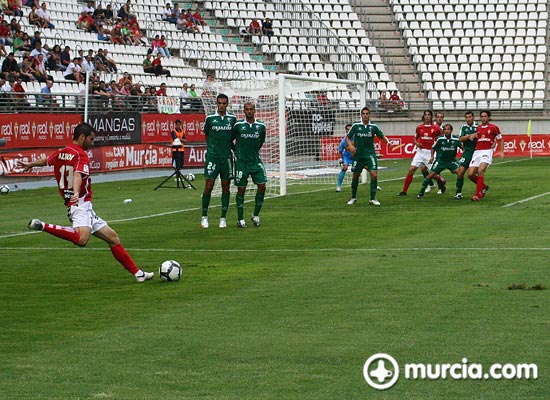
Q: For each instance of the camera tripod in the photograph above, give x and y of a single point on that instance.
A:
(180, 180)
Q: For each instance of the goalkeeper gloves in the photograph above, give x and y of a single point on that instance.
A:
(340, 162)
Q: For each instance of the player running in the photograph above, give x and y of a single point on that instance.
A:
(444, 149)
(71, 167)
(218, 159)
(488, 138)
(249, 136)
(466, 133)
(364, 154)
(426, 134)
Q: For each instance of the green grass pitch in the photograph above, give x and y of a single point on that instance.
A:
(290, 310)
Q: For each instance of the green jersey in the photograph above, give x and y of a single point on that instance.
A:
(363, 138)
(217, 129)
(249, 138)
(446, 148)
(469, 145)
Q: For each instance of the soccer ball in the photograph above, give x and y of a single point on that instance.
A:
(4, 189)
(170, 271)
(190, 177)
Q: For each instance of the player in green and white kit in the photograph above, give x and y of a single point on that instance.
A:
(249, 136)
(444, 149)
(466, 134)
(364, 156)
(218, 160)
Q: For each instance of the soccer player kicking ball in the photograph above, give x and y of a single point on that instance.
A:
(218, 160)
(249, 136)
(71, 167)
(364, 155)
(444, 149)
(487, 136)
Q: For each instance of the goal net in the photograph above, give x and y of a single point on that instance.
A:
(305, 119)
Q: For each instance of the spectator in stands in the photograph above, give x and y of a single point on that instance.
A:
(125, 77)
(26, 70)
(181, 23)
(149, 99)
(14, 8)
(254, 28)
(46, 99)
(267, 27)
(113, 88)
(109, 15)
(7, 86)
(184, 93)
(102, 35)
(126, 11)
(38, 49)
(197, 17)
(100, 63)
(101, 95)
(395, 102)
(5, 34)
(167, 14)
(109, 62)
(126, 89)
(10, 67)
(383, 102)
(192, 91)
(135, 31)
(21, 43)
(162, 90)
(36, 38)
(88, 8)
(74, 71)
(34, 19)
(53, 62)
(19, 97)
(43, 13)
(86, 22)
(88, 65)
(65, 56)
(41, 73)
(157, 64)
(159, 46)
(148, 63)
(15, 27)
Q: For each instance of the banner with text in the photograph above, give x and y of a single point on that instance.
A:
(403, 146)
(116, 128)
(37, 130)
(156, 128)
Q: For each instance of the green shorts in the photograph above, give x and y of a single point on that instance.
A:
(255, 170)
(465, 160)
(214, 166)
(439, 166)
(369, 162)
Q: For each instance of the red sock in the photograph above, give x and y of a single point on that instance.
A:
(63, 232)
(408, 181)
(124, 258)
(479, 186)
(473, 178)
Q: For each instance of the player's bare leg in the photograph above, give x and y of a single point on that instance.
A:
(206, 195)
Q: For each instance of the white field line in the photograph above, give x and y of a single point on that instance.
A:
(282, 250)
(526, 199)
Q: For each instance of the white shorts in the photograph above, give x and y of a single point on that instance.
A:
(422, 156)
(482, 156)
(84, 215)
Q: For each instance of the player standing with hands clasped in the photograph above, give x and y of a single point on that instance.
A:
(249, 136)
(364, 155)
(71, 167)
(487, 135)
(218, 161)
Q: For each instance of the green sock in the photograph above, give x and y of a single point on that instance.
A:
(239, 200)
(425, 184)
(205, 204)
(373, 185)
(225, 203)
(459, 184)
(354, 184)
(259, 201)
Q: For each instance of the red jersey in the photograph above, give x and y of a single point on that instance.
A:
(426, 135)
(486, 136)
(66, 162)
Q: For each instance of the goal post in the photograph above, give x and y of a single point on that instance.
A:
(305, 119)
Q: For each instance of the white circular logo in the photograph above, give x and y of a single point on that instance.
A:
(385, 371)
